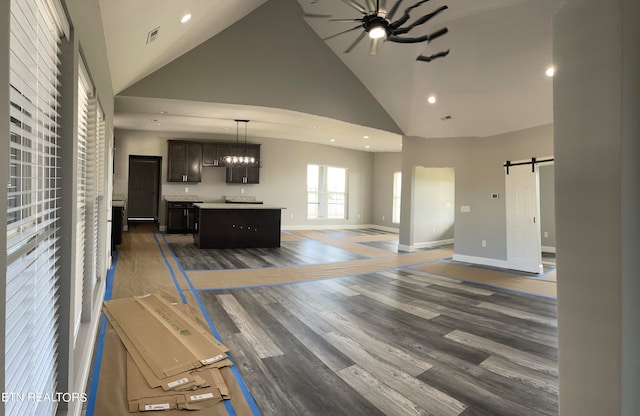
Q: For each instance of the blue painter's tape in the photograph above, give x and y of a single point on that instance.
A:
(243, 387)
(93, 388)
(173, 276)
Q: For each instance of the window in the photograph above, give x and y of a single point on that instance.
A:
(326, 192)
(33, 200)
(397, 189)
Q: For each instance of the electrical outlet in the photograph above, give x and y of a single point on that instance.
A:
(546, 234)
(186, 189)
(241, 190)
(383, 218)
(291, 215)
(358, 216)
(484, 243)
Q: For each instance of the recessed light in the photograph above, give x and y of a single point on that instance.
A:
(163, 112)
(185, 18)
(332, 140)
(550, 71)
(367, 147)
(431, 99)
(365, 137)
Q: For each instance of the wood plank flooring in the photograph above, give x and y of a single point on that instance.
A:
(399, 342)
(382, 334)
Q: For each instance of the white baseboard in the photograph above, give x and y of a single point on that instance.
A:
(428, 244)
(548, 249)
(484, 261)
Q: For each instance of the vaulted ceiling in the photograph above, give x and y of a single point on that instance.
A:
(493, 80)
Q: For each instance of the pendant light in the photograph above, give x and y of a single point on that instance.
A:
(239, 158)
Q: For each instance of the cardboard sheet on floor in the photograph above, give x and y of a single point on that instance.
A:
(179, 382)
(141, 397)
(185, 344)
(111, 397)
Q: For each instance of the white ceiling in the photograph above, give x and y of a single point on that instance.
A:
(492, 81)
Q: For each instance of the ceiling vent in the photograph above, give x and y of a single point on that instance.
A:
(445, 118)
(153, 35)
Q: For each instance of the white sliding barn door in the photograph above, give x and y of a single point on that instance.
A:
(523, 219)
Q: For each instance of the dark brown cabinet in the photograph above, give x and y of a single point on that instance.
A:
(211, 153)
(244, 174)
(185, 161)
(180, 217)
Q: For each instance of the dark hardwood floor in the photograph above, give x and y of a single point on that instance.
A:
(397, 342)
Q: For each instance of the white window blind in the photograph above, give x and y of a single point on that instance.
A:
(100, 207)
(85, 265)
(33, 206)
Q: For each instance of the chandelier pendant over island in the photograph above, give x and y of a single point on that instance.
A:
(237, 156)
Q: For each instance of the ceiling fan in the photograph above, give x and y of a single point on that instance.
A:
(381, 26)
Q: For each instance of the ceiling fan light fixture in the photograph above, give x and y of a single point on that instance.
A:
(377, 31)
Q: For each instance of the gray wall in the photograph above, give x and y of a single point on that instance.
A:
(597, 142)
(385, 164)
(479, 172)
(283, 176)
(547, 207)
(250, 63)
(433, 213)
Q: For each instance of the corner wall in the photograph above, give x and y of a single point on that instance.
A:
(597, 141)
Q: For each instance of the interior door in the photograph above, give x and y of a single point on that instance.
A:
(523, 219)
(144, 188)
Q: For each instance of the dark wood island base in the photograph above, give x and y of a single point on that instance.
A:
(237, 226)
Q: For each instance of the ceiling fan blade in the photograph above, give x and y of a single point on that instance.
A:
(419, 39)
(393, 10)
(358, 39)
(420, 21)
(406, 15)
(343, 32)
(371, 4)
(355, 5)
(375, 45)
(316, 15)
(430, 58)
(345, 20)
(383, 5)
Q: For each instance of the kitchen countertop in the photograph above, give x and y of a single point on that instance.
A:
(182, 198)
(209, 205)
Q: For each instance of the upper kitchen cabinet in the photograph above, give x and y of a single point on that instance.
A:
(185, 161)
(211, 153)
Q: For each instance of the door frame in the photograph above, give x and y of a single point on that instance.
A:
(158, 160)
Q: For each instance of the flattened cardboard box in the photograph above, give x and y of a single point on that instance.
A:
(111, 396)
(141, 397)
(168, 340)
(178, 382)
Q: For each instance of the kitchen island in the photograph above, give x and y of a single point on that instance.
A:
(219, 225)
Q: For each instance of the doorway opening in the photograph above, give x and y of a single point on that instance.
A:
(144, 189)
(432, 206)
